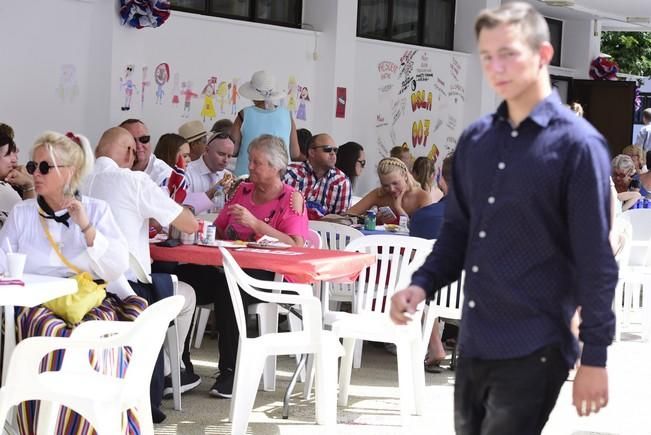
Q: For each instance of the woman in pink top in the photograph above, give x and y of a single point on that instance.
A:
(265, 205)
(262, 206)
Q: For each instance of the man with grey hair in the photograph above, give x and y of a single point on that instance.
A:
(531, 256)
(643, 139)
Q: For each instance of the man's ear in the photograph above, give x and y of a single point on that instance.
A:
(546, 53)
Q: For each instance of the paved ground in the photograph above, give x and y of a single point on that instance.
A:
(374, 406)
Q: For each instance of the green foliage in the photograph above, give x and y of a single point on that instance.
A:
(631, 50)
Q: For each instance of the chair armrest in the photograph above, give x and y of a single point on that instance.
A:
(300, 289)
(94, 329)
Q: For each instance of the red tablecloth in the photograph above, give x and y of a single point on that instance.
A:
(304, 265)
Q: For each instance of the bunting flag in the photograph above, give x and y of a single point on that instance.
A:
(144, 13)
(176, 184)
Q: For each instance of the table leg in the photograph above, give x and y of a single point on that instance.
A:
(292, 384)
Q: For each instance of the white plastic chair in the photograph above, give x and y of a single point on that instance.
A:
(398, 257)
(172, 336)
(447, 305)
(253, 352)
(636, 291)
(101, 399)
(622, 302)
(335, 238)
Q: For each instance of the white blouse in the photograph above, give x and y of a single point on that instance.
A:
(107, 259)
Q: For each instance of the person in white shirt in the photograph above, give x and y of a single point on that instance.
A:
(643, 139)
(84, 231)
(146, 161)
(134, 199)
(209, 174)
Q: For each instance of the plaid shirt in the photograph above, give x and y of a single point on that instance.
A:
(333, 190)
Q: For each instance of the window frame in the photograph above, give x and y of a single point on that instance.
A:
(251, 17)
(420, 26)
(560, 48)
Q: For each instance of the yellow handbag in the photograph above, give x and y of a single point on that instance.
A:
(72, 308)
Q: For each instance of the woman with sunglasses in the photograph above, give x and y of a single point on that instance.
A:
(399, 194)
(59, 224)
(351, 160)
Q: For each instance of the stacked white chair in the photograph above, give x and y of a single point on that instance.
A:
(398, 257)
(102, 399)
(253, 352)
(636, 276)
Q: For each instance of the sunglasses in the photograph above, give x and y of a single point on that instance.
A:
(143, 139)
(362, 163)
(327, 149)
(43, 167)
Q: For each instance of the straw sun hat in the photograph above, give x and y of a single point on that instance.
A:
(262, 87)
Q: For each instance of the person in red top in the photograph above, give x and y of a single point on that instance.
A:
(318, 179)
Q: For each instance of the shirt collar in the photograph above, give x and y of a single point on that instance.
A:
(541, 114)
(104, 164)
(310, 169)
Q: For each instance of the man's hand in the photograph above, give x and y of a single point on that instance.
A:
(404, 303)
(590, 392)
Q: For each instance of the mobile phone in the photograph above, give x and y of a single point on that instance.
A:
(387, 213)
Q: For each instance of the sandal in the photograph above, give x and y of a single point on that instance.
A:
(433, 367)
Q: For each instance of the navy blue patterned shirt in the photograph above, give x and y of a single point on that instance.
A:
(527, 218)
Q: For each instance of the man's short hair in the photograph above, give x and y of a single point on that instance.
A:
(130, 121)
(532, 25)
(7, 130)
(646, 115)
(222, 125)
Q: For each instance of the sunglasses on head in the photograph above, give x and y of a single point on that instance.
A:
(327, 149)
(362, 163)
(143, 139)
(43, 167)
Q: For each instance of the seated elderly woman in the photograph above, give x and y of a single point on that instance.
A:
(57, 230)
(639, 159)
(264, 205)
(398, 190)
(627, 187)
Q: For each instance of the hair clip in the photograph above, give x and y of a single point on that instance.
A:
(70, 135)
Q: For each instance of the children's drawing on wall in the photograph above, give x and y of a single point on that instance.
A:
(128, 86)
(68, 88)
(303, 100)
(222, 95)
(176, 89)
(188, 95)
(143, 85)
(162, 76)
(419, 102)
(208, 109)
(234, 94)
(291, 95)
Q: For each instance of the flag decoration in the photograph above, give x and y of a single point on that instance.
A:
(144, 13)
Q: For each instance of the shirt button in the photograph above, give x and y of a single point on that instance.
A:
(501, 165)
(471, 304)
(543, 359)
(474, 269)
(491, 199)
(514, 133)
(482, 234)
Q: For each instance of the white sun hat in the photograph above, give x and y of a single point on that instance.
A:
(262, 87)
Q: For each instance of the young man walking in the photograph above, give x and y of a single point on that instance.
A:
(527, 218)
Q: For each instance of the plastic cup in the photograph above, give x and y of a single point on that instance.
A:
(15, 264)
(187, 238)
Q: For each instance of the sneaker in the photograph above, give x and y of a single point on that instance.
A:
(223, 385)
(189, 381)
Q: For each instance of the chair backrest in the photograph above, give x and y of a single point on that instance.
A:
(623, 233)
(448, 301)
(313, 240)
(397, 258)
(640, 220)
(335, 236)
(146, 337)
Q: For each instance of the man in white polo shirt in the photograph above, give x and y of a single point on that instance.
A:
(134, 198)
(208, 173)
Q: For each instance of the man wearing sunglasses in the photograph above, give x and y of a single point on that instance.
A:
(157, 169)
(318, 179)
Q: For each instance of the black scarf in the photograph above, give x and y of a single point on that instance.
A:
(46, 211)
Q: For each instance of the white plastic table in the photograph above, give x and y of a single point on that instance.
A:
(37, 290)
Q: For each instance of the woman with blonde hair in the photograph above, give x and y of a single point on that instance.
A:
(398, 190)
(639, 159)
(63, 234)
